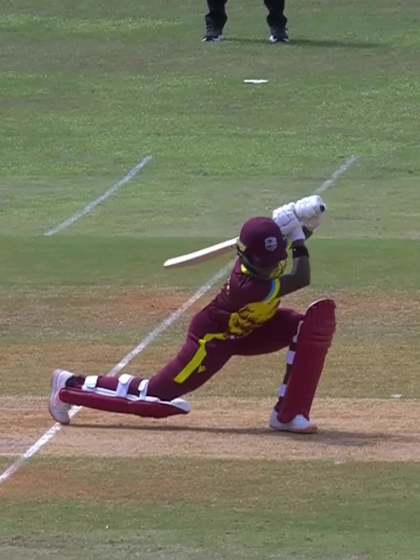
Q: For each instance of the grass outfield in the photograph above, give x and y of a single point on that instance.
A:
(87, 91)
(198, 510)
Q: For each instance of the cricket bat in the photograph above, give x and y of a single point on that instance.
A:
(308, 210)
(202, 254)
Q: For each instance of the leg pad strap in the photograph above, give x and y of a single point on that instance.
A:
(147, 407)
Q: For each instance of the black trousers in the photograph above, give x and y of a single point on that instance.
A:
(217, 13)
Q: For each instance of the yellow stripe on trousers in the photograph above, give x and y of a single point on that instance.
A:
(198, 357)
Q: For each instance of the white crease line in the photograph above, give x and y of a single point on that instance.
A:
(151, 337)
(29, 453)
(92, 205)
(331, 182)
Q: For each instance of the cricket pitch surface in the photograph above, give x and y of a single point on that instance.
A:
(349, 430)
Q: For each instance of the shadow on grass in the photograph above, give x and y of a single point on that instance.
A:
(313, 43)
(339, 438)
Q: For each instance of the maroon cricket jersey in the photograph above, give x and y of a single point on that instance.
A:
(243, 304)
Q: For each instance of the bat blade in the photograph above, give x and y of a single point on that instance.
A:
(201, 255)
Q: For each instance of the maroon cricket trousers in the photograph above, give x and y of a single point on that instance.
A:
(201, 357)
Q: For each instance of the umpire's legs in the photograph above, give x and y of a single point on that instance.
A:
(217, 13)
(276, 17)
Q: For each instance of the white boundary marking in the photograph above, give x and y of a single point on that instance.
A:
(151, 337)
(92, 205)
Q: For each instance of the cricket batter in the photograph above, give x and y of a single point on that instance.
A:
(246, 319)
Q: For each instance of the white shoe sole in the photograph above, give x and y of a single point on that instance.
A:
(299, 425)
(59, 410)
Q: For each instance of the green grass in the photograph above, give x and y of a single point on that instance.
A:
(88, 93)
(280, 510)
(120, 260)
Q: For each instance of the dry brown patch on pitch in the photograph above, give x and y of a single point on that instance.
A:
(366, 308)
(27, 368)
(80, 330)
(68, 312)
(22, 421)
(350, 430)
(384, 311)
(353, 429)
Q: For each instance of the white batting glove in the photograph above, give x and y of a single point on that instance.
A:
(310, 211)
(285, 217)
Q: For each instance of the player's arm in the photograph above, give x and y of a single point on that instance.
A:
(300, 275)
(296, 232)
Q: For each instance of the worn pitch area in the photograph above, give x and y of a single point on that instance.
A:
(350, 430)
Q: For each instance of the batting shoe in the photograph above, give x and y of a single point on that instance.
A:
(279, 35)
(58, 409)
(299, 424)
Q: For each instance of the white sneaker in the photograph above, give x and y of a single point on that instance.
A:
(58, 409)
(299, 424)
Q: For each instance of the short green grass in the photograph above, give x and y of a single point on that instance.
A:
(149, 508)
(379, 264)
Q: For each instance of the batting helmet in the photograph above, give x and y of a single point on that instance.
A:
(262, 247)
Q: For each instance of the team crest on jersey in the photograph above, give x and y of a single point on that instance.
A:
(270, 243)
